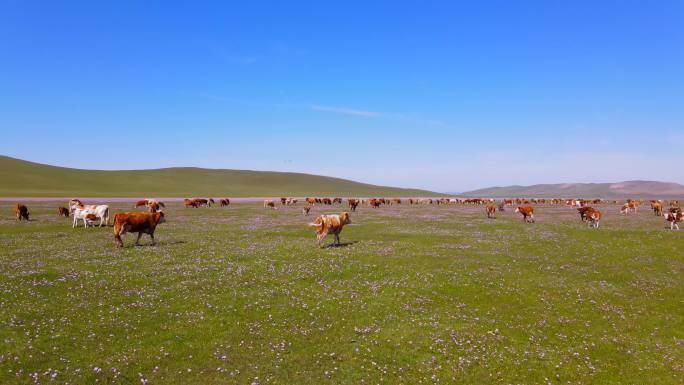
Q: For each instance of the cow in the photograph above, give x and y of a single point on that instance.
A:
(629, 207)
(87, 216)
(21, 212)
(326, 201)
(190, 203)
(136, 223)
(337, 200)
(311, 201)
(283, 201)
(527, 212)
(593, 217)
(352, 203)
(490, 210)
(502, 206)
(269, 203)
(224, 202)
(330, 224)
(141, 203)
(63, 211)
(149, 203)
(101, 211)
(583, 212)
(674, 215)
(657, 208)
(374, 203)
(305, 210)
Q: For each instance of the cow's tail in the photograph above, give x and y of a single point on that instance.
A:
(106, 215)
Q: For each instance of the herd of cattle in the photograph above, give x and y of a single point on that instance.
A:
(146, 222)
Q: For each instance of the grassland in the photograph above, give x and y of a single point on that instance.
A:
(417, 295)
(27, 179)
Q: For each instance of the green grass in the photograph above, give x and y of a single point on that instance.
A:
(429, 294)
(26, 179)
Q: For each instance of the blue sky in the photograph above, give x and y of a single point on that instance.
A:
(438, 95)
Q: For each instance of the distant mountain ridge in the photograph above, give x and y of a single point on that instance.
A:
(20, 178)
(633, 188)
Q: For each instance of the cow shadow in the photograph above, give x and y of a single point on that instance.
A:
(342, 244)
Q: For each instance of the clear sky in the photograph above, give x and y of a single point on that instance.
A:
(438, 95)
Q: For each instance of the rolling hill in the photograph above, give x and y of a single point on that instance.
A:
(586, 190)
(20, 178)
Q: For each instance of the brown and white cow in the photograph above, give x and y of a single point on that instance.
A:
(490, 210)
(137, 222)
(101, 211)
(629, 207)
(352, 202)
(21, 212)
(330, 224)
(593, 217)
(674, 216)
(527, 212)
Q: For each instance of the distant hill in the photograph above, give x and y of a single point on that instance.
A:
(586, 190)
(20, 178)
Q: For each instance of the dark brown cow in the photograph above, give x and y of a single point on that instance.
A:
(527, 213)
(337, 200)
(224, 202)
(21, 212)
(63, 211)
(190, 203)
(136, 223)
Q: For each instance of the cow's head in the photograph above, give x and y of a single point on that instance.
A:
(345, 218)
(162, 218)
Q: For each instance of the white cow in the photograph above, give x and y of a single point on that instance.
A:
(100, 211)
(82, 214)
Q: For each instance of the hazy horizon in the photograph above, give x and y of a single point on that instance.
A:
(444, 97)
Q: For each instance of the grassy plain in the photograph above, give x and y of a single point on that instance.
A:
(416, 295)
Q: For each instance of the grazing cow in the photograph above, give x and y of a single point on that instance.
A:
(337, 200)
(190, 203)
(136, 223)
(269, 203)
(352, 203)
(311, 201)
(326, 201)
(527, 213)
(490, 210)
(283, 201)
(63, 211)
(593, 217)
(374, 203)
(629, 207)
(21, 212)
(101, 211)
(224, 202)
(305, 210)
(330, 224)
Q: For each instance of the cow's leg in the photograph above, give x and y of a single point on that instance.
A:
(137, 241)
(74, 223)
(152, 236)
(337, 239)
